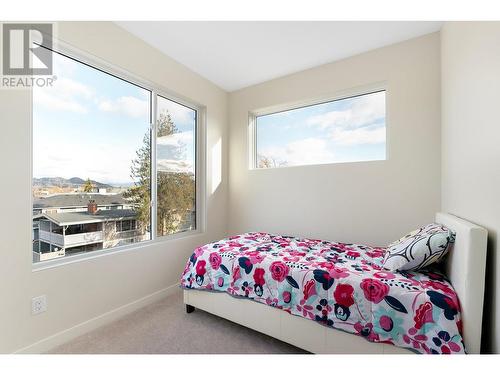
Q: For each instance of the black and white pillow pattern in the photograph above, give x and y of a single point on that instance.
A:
(419, 248)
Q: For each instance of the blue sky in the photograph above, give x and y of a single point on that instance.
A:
(90, 124)
(351, 129)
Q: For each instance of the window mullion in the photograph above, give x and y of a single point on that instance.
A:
(154, 174)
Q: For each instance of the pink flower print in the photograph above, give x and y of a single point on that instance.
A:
(279, 270)
(375, 290)
(215, 260)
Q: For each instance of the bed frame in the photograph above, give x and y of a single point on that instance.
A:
(465, 267)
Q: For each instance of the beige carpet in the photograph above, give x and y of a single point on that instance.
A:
(165, 328)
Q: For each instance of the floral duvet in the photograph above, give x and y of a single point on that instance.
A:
(339, 285)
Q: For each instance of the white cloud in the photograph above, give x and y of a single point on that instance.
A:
(177, 139)
(176, 166)
(175, 152)
(355, 125)
(65, 95)
(365, 110)
(52, 101)
(83, 160)
(178, 112)
(70, 87)
(127, 105)
(303, 152)
(360, 136)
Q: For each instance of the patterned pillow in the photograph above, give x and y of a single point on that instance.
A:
(419, 248)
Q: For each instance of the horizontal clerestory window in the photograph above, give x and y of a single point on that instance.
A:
(348, 129)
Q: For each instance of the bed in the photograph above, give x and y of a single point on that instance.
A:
(284, 286)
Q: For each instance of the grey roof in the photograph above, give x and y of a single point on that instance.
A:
(78, 200)
(69, 218)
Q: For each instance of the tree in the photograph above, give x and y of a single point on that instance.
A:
(175, 190)
(88, 187)
(269, 162)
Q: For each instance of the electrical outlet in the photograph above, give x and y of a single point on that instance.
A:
(38, 305)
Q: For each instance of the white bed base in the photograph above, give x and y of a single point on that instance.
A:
(466, 270)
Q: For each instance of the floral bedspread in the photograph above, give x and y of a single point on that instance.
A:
(339, 285)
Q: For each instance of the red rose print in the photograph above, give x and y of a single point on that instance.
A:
(279, 270)
(309, 289)
(423, 315)
(200, 268)
(343, 295)
(215, 260)
(374, 290)
(258, 276)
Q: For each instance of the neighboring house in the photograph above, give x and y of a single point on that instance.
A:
(78, 202)
(75, 223)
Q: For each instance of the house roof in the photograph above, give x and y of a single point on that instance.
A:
(71, 218)
(78, 200)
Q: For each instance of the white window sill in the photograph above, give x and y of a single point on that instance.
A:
(58, 262)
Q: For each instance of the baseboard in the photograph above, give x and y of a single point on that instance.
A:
(68, 334)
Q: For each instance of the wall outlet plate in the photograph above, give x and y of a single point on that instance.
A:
(38, 304)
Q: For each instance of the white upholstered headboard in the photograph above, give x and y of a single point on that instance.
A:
(465, 267)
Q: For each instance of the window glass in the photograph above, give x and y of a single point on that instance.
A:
(91, 160)
(176, 183)
(345, 130)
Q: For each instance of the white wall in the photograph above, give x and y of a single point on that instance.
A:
(367, 202)
(82, 291)
(471, 143)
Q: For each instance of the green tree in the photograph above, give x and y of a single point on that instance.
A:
(88, 187)
(175, 190)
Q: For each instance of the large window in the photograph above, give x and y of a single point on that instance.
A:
(344, 130)
(114, 163)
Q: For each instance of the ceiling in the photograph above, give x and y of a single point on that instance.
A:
(234, 55)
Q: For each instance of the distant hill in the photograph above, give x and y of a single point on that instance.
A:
(67, 182)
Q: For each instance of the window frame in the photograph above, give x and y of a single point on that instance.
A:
(95, 62)
(339, 95)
